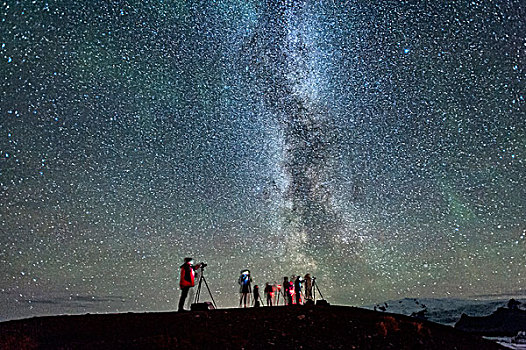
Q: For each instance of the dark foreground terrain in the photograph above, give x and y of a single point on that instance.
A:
(503, 322)
(301, 327)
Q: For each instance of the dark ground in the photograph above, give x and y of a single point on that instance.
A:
(503, 322)
(294, 327)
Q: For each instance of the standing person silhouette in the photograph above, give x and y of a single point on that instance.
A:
(291, 291)
(308, 288)
(297, 289)
(257, 297)
(269, 293)
(187, 280)
(244, 287)
(286, 291)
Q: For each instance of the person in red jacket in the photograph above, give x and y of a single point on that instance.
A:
(187, 279)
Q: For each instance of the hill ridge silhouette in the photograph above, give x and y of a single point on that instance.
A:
(293, 327)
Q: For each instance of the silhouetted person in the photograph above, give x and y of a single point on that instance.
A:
(308, 287)
(244, 287)
(297, 289)
(187, 280)
(269, 293)
(286, 287)
(290, 294)
(257, 297)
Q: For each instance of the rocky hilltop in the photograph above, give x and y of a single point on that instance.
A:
(294, 327)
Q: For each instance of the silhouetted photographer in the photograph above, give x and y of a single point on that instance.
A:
(244, 287)
(187, 279)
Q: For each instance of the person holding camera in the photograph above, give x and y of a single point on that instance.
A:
(187, 280)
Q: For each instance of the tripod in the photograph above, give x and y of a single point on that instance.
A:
(198, 294)
(314, 288)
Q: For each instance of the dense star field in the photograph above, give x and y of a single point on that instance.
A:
(379, 146)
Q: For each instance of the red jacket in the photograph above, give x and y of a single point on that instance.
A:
(187, 276)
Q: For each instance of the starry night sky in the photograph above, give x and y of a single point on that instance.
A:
(380, 147)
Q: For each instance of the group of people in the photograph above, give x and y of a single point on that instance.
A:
(294, 291)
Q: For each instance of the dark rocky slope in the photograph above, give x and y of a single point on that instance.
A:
(302, 327)
(503, 322)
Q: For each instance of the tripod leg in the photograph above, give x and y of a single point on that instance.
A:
(319, 292)
(209, 292)
(196, 300)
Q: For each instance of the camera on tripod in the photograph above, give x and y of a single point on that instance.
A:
(197, 306)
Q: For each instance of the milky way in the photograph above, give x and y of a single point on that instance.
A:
(379, 147)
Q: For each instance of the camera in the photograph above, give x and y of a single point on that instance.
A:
(203, 265)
